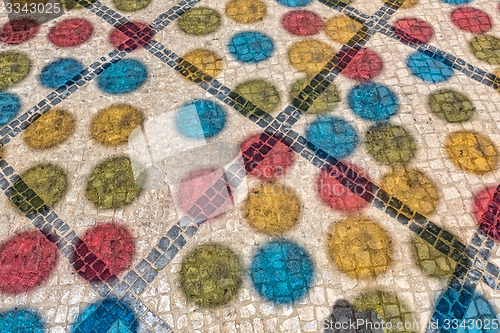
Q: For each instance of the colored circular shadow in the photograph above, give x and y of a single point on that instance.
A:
(413, 188)
(456, 2)
(432, 262)
(373, 101)
(122, 77)
(9, 107)
(310, 56)
(302, 23)
(246, 11)
(336, 195)
(326, 102)
(413, 30)
(471, 20)
(14, 67)
(472, 152)
(272, 208)
(251, 46)
(200, 119)
(364, 66)
(390, 309)
(479, 311)
(260, 93)
(26, 261)
(199, 21)
(51, 129)
(112, 244)
(476, 318)
(282, 271)
(130, 36)
(333, 135)
(480, 202)
(131, 5)
(196, 185)
(71, 32)
(428, 69)
(359, 247)
(113, 125)
(112, 184)
(49, 182)
(342, 28)
(206, 61)
(451, 106)
(108, 315)
(58, 72)
(18, 31)
(295, 3)
(21, 320)
(211, 275)
(390, 144)
(486, 48)
(276, 162)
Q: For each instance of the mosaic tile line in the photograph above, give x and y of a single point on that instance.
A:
(22, 121)
(444, 241)
(473, 267)
(62, 235)
(381, 26)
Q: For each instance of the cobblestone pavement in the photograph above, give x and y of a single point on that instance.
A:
(249, 166)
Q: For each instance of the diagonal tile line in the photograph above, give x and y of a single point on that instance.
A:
(66, 240)
(22, 121)
(444, 241)
(476, 73)
(303, 101)
(456, 299)
(453, 303)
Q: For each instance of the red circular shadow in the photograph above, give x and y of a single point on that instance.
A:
(71, 32)
(302, 23)
(18, 31)
(365, 66)
(471, 20)
(413, 30)
(130, 36)
(26, 260)
(204, 193)
(266, 160)
(105, 251)
(336, 195)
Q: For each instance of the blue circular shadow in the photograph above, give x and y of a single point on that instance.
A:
(282, 271)
(251, 46)
(373, 101)
(200, 119)
(428, 69)
(21, 320)
(58, 72)
(295, 3)
(9, 107)
(123, 76)
(106, 316)
(333, 135)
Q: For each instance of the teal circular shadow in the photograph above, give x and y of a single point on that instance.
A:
(333, 135)
(428, 69)
(200, 119)
(282, 271)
